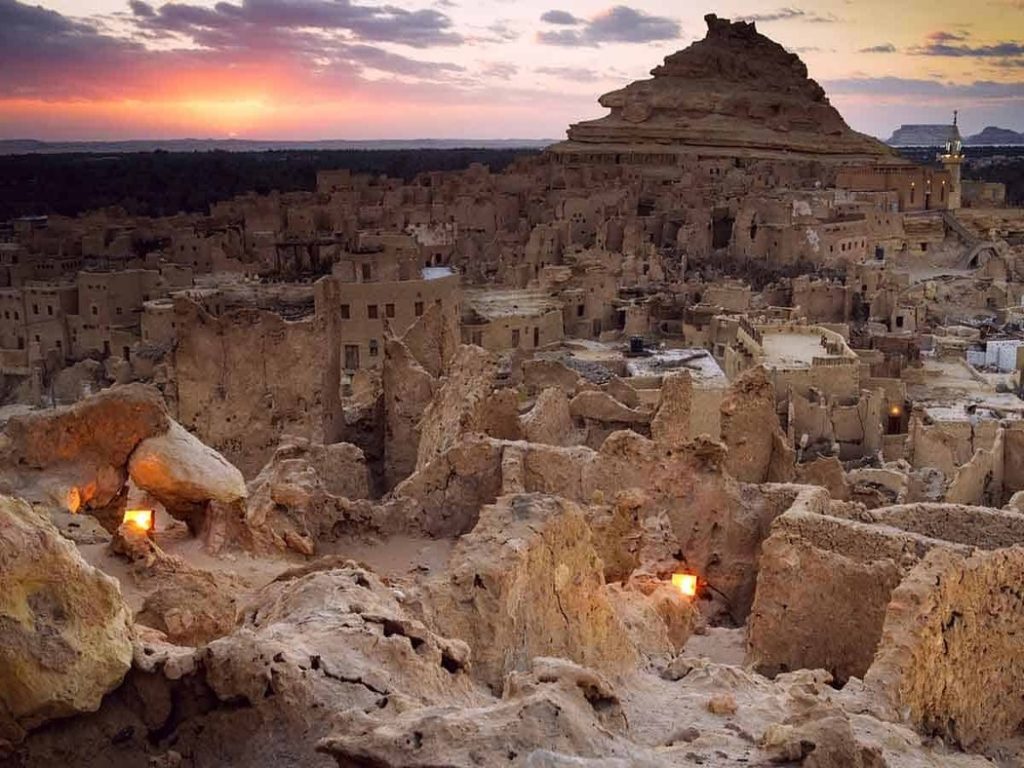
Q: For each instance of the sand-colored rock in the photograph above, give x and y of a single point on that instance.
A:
(450, 491)
(601, 407)
(555, 714)
(527, 582)
(950, 650)
(181, 472)
(314, 644)
(735, 89)
(549, 421)
(65, 631)
(457, 407)
(407, 391)
(75, 456)
(758, 450)
(671, 423)
(306, 493)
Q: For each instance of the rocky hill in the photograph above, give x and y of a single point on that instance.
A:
(994, 136)
(935, 135)
(735, 90)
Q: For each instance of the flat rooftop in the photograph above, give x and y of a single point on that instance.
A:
(496, 304)
(791, 350)
(947, 389)
(703, 368)
(436, 273)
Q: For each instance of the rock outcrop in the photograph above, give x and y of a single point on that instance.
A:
(527, 582)
(671, 423)
(315, 643)
(950, 649)
(304, 493)
(736, 91)
(65, 631)
(759, 452)
(183, 473)
(556, 714)
(75, 457)
(460, 403)
(549, 420)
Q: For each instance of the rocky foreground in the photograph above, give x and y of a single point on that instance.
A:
(252, 629)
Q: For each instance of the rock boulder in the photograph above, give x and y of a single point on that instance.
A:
(65, 631)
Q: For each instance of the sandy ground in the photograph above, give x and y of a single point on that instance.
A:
(721, 645)
(392, 558)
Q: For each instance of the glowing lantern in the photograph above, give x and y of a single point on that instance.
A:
(140, 519)
(685, 583)
(895, 410)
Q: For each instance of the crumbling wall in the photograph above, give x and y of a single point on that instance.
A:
(246, 378)
(1013, 458)
(758, 450)
(950, 651)
(706, 411)
(979, 481)
(460, 404)
(407, 389)
(827, 574)
(527, 582)
(944, 446)
(823, 585)
(718, 524)
(671, 423)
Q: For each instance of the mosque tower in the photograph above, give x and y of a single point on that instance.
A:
(952, 158)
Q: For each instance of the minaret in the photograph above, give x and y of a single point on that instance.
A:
(952, 158)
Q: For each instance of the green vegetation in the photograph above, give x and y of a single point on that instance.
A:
(165, 183)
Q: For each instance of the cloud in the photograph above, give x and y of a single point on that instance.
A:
(619, 24)
(499, 70)
(502, 31)
(958, 45)
(45, 55)
(140, 8)
(792, 14)
(374, 23)
(946, 37)
(926, 89)
(560, 17)
(577, 74)
(880, 48)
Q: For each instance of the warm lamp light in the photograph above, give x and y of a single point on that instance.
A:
(140, 519)
(685, 583)
(895, 410)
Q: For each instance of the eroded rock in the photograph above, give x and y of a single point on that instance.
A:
(527, 582)
(65, 631)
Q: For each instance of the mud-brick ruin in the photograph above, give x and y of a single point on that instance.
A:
(694, 440)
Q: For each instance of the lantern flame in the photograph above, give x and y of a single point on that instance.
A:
(140, 519)
(686, 583)
(895, 410)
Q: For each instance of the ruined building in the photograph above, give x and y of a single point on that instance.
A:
(691, 441)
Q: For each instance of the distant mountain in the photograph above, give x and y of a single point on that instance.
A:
(921, 135)
(936, 135)
(32, 146)
(997, 137)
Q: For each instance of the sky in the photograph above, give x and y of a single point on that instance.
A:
(377, 69)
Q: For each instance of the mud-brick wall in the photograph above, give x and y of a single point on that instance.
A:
(950, 647)
(1013, 458)
(246, 378)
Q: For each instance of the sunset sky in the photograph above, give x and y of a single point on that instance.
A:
(362, 69)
